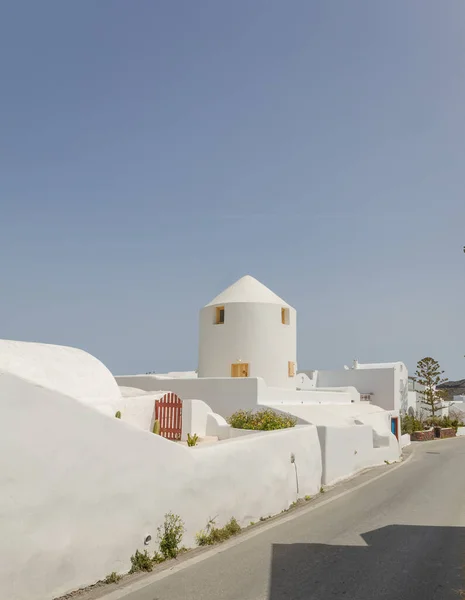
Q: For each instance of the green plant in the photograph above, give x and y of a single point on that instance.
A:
(429, 376)
(118, 414)
(192, 439)
(307, 498)
(447, 421)
(251, 523)
(156, 427)
(158, 558)
(170, 535)
(213, 535)
(322, 490)
(409, 424)
(141, 561)
(112, 578)
(262, 420)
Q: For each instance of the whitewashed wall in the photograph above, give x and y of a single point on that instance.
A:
(405, 440)
(303, 380)
(272, 395)
(226, 395)
(380, 382)
(458, 408)
(352, 437)
(198, 418)
(413, 402)
(252, 333)
(81, 490)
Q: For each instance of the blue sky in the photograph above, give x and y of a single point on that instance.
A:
(153, 152)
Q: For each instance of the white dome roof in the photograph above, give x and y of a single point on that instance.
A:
(66, 370)
(248, 289)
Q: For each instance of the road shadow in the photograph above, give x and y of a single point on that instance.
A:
(398, 562)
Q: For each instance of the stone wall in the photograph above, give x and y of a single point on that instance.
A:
(422, 436)
(447, 432)
(433, 433)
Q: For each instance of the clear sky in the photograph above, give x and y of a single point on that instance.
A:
(154, 151)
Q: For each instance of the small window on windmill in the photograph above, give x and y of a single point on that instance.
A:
(219, 315)
(285, 316)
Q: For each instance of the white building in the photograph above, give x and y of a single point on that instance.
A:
(382, 384)
(248, 331)
(457, 407)
(247, 359)
(71, 470)
(81, 490)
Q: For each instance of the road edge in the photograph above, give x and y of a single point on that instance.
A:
(135, 586)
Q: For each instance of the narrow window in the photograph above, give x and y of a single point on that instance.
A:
(285, 316)
(291, 368)
(219, 315)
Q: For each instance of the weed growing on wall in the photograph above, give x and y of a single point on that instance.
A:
(192, 439)
(170, 535)
(214, 535)
(261, 420)
(141, 561)
(112, 578)
(118, 414)
(156, 428)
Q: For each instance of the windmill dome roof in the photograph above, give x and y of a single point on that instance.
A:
(248, 289)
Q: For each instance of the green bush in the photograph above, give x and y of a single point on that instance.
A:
(156, 428)
(170, 535)
(141, 561)
(113, 577)
(446, 422)
(118, 414)
(409, 424)
(214, 535)
(261, 420)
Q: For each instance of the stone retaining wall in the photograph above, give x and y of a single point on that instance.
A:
(433, 433)
(447, 433)
(422, 436)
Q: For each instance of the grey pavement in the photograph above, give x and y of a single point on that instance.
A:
(399, 537)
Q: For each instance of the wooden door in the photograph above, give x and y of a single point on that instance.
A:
(168, 411)
(240, 370)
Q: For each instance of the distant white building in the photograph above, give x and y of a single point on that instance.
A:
(382, 384)
(457, 406)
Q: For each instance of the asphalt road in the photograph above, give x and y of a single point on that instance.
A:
(400, 537)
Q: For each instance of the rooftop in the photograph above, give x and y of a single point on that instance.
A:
(247, 289)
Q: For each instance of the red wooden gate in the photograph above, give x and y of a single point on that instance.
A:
(168, 410)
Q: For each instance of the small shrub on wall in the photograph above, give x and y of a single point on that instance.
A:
(261, 420)
(170, 535)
